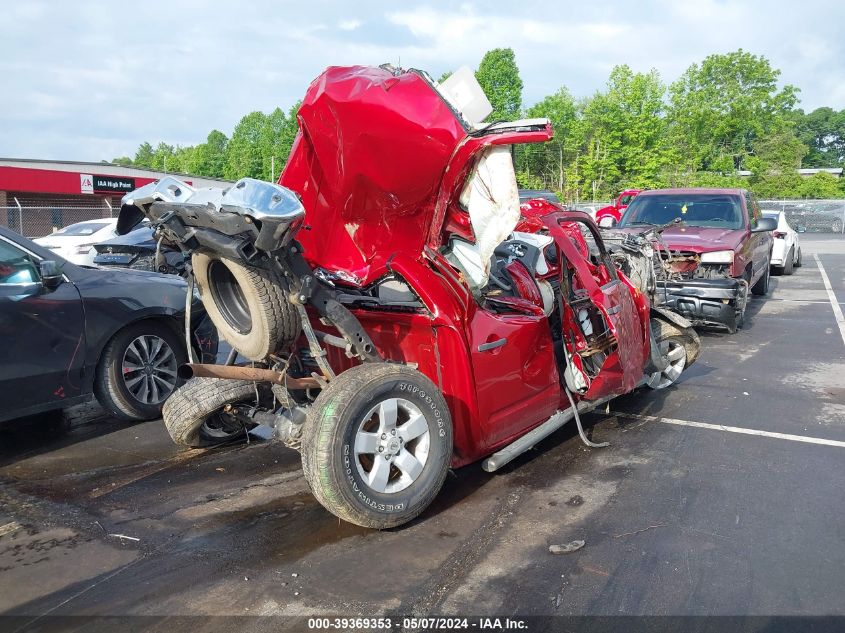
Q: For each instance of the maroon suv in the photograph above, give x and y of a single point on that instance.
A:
(720, 245)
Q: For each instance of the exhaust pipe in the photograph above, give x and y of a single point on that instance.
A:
(197, 370)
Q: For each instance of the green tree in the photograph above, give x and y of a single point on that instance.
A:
(821, 186)
(823, 131)
(719, 108)
(122, 160)
(144, 155)
(499, 77)
(209, 158)
(244, 157)
(277, 138)
(548, 165)
(163, 158)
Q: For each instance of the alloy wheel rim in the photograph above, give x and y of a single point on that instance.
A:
(392, 444)
(675, 353)
(149, 369)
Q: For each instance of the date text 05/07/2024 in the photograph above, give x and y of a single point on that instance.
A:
(427, 624)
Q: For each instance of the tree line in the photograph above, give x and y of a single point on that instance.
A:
(724, 122)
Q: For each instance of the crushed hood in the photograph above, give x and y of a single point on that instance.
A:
(367, 163)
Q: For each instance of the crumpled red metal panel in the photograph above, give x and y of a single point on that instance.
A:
(368, 162)
(623, 368)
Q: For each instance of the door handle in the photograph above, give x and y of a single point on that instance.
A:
(485, 347)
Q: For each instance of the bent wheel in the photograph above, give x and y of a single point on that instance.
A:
(194, 417)
(377, 445)
(679, 346)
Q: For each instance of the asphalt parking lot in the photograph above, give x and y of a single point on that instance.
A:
(681, 514)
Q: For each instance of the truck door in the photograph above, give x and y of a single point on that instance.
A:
(605, 338)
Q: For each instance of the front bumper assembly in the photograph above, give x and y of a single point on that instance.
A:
(705, 301)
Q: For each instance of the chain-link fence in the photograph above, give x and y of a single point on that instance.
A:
(37, 220)
(812, 216)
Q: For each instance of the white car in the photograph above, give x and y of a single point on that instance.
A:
(786, 252)
(76, 242)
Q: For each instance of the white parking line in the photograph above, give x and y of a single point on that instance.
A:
(837, 311)
(732, 429)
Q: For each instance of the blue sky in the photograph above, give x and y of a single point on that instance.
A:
(90, 80)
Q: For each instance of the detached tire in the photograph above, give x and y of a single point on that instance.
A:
(193, 417)
(249, 306)
(137, 370)
(377, 445)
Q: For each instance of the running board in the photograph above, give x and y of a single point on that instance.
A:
(530, 439)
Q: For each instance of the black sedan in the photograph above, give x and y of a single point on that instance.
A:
(67, 331)
(137, 250)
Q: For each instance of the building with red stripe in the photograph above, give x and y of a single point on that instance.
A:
(39, 196)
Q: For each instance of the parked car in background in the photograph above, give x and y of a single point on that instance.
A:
(75, 242)
(67, 332)
(538, 194)
(137, 251)
(786, 251)
(611, 214)
(721, 248)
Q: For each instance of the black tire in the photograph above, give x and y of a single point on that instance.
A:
(799, 261)
(113, 386)
(192, 415)
(336, 473)
(762, 286)
(788, 267)
(688, 337)
(249, 306)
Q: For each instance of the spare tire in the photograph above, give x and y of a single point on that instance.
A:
(248, 305)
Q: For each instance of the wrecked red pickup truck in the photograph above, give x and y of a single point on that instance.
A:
(397, 313)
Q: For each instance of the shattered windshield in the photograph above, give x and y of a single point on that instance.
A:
(694, 209)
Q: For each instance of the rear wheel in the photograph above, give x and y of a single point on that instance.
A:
(249, 306)
(788, 267)
(377, 445)
(137, 370)
(194, 414)
(798, 261)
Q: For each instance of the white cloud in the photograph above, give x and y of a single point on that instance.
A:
(83, 81)
(349, 25)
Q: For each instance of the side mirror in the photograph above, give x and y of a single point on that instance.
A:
(764, 224)
(51, 274)
(607, 222)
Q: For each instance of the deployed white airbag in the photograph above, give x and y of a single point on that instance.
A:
(492, 199)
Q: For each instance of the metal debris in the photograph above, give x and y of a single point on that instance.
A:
(566, 548)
